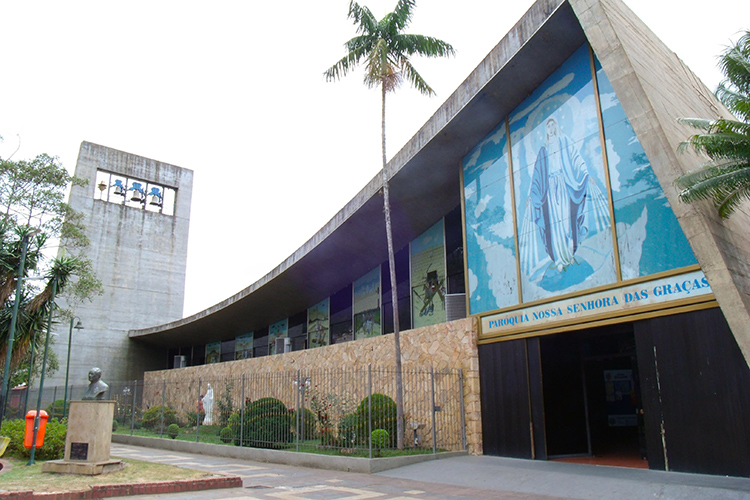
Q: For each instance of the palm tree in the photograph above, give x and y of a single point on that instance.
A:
(385, 50)
(725, 178)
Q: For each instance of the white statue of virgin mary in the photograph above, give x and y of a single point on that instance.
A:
(208, 406)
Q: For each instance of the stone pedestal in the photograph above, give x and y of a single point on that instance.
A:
(88, 440)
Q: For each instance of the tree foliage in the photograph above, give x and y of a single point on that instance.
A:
(33, 212)
(385, 49)
(725, 178)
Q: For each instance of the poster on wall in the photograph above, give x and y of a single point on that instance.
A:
(366, 308)
(490, 238)
(620, 397)
(564, 224)
(243, 346)
(428, 277)
(318, 324)
(213, 352)
(276, 331)
(649, 238)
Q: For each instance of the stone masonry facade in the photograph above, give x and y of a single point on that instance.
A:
(447, 346)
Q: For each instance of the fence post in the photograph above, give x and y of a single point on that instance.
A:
(462, 408)
(132, 407)
(369, 408)
(297, 386)
(163, 402)
(198, 411)
(434, 434)
(242, 412)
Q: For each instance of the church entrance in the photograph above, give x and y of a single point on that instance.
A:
(591, 397)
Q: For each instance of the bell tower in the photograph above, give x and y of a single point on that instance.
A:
(137, 214)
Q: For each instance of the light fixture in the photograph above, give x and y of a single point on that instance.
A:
(78, 326)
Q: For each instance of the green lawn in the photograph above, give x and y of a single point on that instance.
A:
(210, 435)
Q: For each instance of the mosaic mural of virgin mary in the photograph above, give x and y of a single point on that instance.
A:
(558, 196)
(564, 202)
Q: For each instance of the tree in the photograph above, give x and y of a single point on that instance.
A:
(32, 200)
(385, 50)
(725, 178)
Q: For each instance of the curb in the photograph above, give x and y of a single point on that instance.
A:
(117, 490)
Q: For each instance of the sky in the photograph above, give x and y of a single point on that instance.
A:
(234, 90)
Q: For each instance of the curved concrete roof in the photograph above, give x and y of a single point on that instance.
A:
(424, 180)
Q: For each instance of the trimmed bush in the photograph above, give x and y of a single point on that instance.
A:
(115, 425)
(354, 428)
(267, 424)
(226, 435)
(380, 440)
(173, 430)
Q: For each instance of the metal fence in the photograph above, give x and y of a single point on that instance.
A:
(346, 411)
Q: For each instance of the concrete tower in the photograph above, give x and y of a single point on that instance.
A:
(137, 214)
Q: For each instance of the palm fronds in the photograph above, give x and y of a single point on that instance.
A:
(725, 178)
(386, 50)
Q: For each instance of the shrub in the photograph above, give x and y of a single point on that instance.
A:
(54, 440)
(192, 416)
(225, 405)
(115, 425)
(310, 429)
(327, 438)
(173, 430)
(348, 429)
(226, 435)
(128, 415)
(354, 427)
(55, 409)
(152, 417)
(267, 424)
(380, 439)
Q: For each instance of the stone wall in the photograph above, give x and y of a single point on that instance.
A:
(447, 346)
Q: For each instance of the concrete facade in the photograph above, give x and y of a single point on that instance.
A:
(655, 88)
(139, 256)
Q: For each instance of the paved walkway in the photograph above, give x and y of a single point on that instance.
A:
(458, 478)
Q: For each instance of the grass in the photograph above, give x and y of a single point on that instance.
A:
(207, 434)
(21, 477)
(210, 435)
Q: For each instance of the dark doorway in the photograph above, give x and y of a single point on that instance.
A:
(591, 393)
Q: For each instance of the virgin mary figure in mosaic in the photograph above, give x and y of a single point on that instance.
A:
(564, 201)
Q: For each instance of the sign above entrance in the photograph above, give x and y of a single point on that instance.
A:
(614, 302)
